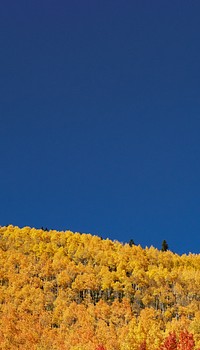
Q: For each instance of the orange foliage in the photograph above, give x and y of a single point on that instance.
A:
(72, 291)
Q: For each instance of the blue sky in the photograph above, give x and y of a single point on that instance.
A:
(100, 119)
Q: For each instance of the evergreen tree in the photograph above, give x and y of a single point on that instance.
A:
(164, 246)
(131, 242)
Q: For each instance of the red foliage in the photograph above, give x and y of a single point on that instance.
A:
(186, 341)
(143, 346)
(170, 342)
(100, 347)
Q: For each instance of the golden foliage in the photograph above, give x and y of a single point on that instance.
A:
(64, 290)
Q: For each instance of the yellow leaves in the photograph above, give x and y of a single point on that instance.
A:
(148, 298)
(129, 340)
(168, 314)
(76, 291)
(106, 278)
(149, 328)
(146, 328)
(63, 279)
(102, 311)
(30, 299)
(106, 335)
(60, 260)
(120, 313)
(195, 328)
(85, 282)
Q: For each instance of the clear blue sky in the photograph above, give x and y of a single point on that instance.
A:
(100, 118)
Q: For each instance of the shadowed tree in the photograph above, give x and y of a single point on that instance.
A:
(164, 246)
(131, 242)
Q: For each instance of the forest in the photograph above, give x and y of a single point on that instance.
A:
(77, 291)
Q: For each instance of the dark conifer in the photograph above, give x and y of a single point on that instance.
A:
(131, 242)
(164, 246)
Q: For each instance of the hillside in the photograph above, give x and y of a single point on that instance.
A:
(72, 291)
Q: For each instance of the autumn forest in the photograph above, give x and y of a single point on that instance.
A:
(73, 291)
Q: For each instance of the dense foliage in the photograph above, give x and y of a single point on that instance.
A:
(72, 291)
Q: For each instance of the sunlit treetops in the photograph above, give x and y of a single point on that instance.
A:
(66, 290)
